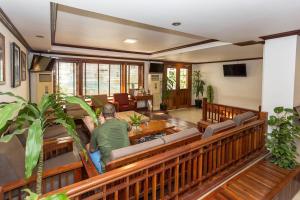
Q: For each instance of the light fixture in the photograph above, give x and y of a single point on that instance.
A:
(39, 36)
(176, 23)
(130, 41)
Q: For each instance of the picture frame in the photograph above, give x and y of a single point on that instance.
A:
(23, 66)
(2, 59)
(16, 67)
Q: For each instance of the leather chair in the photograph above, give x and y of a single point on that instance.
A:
(123, 103)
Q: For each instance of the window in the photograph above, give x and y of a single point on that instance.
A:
(101, 79)
(66, 77)
(104, 79)
(183, 78)
(132, 77)
(115, 79)
(91, 79)
(171, 74)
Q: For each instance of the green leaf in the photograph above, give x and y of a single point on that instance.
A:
(71, 131)
(9, 111)
(33, 146)
(83, 105)
(32, 195)
(272, 120)
(8, 137)
(44, 103)
(278, 109)
(61, 196)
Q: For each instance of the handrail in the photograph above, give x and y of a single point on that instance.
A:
(102, 180)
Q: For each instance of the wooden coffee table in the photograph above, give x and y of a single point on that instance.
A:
(150, 128)
(146, 129)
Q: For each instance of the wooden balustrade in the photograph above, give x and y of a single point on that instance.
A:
(172, 174)
(215, 113)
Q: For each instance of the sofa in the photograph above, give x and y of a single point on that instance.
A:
(123, 103)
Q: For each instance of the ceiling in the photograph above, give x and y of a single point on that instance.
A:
(220, 53)
(95, 23)
(79, 27)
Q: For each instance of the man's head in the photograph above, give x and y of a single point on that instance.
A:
(108, 110)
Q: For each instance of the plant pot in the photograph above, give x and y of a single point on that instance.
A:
(198, 103)
(136, 128)
(163, 106)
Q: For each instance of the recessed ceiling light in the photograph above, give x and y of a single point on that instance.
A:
(39, 36)
(130, 41)
(176, 23)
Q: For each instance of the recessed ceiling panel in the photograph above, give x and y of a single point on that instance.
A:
(83, 28)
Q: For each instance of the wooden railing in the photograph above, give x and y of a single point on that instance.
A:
(171, 174)
(215, 113)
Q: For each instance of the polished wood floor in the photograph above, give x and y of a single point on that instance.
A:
(262, 181)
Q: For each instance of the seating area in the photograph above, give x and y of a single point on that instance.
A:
(140, 100)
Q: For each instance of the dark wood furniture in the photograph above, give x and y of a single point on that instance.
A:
(214, 113)
(53, 178)
(150, 128)
(175, 173)
(123, 103)
(144, 98)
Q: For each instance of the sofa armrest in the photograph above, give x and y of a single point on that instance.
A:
(88, 165)
(57, 146)
(202, 125)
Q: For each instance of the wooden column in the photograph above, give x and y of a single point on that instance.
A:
(204, 109)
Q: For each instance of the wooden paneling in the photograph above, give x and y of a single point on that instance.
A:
(262, 181)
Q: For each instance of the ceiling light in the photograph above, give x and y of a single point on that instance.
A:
(176, 23)
(39, 36)
(130, 41)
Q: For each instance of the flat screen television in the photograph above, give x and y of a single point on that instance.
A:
(235, 70)
(42, 63)
(156, 68)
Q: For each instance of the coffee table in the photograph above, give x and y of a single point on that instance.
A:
(149, 128)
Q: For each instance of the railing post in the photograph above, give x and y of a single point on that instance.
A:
(1, 193)
(204, 109)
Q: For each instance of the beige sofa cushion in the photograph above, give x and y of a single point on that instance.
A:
(15, 153)
(55, 131)
(125, 151)
(213, 128)
(181, 135)
(241, 118)
(63, 159)
(7, 171)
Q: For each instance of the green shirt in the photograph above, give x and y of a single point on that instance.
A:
(111, 135)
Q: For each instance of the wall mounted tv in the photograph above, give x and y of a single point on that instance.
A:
(41, 63)
(235, 70)
(156, 68)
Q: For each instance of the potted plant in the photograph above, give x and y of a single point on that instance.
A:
(166, 93)
(34, 118)
(198, 87)
(210, 94)
(136, 121)
(281, 141)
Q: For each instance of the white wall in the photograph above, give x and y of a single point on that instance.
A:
(236, 91)
(22, 90)
(280, 79)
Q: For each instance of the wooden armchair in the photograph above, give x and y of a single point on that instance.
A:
(98, 101)
(123, 103)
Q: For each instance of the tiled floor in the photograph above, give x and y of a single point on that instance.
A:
(192, 114)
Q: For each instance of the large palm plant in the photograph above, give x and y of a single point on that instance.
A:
(35, 118)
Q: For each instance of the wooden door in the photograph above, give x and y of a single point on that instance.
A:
(181, 94)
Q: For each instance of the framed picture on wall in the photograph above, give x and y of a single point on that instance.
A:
(2, 59)
(23, 66)
(15, 68)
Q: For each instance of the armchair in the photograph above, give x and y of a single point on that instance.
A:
(98, 101)
(123, 103)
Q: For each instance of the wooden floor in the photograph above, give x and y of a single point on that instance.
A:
(262, 181)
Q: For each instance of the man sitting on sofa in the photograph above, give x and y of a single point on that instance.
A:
(111, 134)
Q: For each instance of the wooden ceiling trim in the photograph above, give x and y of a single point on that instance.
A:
(279, 35)
(232, 60)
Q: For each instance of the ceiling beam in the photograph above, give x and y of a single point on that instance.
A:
(279, 35)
